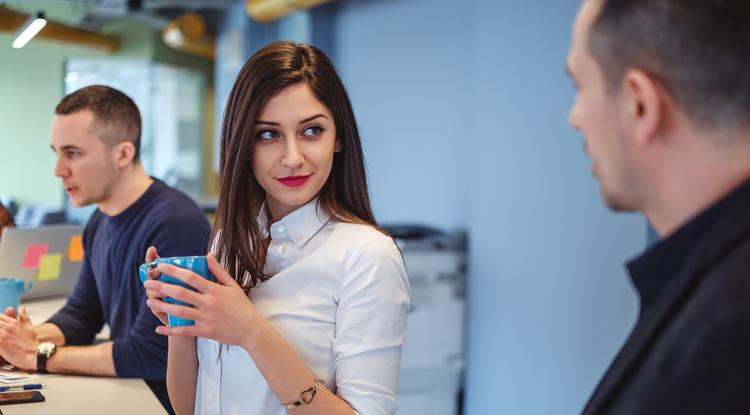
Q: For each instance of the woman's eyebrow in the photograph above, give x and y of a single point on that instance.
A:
(308, 119)
(266, 122)
(312, 118)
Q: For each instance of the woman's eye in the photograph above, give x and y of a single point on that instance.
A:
(266, 135)
(313, 131)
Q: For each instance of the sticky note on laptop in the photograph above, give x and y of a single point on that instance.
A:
(33, 253)
(75, 249)
(49, 267)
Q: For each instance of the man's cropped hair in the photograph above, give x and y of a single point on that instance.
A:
(698, 50)
(116, 117)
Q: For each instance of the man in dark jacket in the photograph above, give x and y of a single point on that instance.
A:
(663, 103)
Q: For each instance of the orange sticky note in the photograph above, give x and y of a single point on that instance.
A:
(33, 253)
(49, 267)
(75, 249)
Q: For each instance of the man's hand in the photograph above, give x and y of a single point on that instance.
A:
(18, 339)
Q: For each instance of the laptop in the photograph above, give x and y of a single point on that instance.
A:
(49, 256)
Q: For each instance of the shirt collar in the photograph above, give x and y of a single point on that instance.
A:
(299, 225)
(659, 265)
(262, 220)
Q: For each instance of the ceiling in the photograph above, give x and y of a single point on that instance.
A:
(92, 14)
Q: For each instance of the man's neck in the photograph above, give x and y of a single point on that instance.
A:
(697, 181)
(127, 190)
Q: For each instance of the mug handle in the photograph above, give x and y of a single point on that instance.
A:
(27, 285)
(143, 270)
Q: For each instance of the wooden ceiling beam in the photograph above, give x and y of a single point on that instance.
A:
(11, 20)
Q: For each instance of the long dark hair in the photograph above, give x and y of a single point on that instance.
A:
(239, 245)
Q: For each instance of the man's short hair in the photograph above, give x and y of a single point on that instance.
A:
(699, 50)
(116, 117)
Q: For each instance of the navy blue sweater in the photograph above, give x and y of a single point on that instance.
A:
(108, 289)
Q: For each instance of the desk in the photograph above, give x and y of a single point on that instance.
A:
(40, 310)
(76, 395)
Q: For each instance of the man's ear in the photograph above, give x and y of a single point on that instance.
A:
(123, 153)
(644, 101)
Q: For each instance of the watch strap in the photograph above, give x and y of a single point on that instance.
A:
(41, 362)
(43, 354)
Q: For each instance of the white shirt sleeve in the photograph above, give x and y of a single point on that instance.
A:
(371, 327)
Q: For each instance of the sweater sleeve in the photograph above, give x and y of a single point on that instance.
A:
(81, 318)
(143, 352)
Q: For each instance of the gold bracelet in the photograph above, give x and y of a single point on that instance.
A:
(305, 397)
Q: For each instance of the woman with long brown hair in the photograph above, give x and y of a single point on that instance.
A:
(308, 313)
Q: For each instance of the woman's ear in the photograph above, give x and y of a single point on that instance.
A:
(338, 146)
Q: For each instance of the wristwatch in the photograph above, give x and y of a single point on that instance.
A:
(44, 351)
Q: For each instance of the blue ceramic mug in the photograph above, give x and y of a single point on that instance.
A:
(11, 290)
(197, 264)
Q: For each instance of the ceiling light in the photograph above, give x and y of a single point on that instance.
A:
(33, 25)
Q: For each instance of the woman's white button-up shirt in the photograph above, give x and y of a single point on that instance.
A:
(340, 299)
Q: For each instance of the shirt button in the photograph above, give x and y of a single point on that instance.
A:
(282, 228)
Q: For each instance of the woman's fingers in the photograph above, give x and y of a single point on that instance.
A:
(151, 256)
(173, 309)
(153, 294)
(186, 331)
(188, 277)
(161, 316)
(222, 276)
(163, 289)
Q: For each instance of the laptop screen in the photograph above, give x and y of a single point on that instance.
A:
(49, 256)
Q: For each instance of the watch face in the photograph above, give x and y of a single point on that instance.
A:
(45, 348)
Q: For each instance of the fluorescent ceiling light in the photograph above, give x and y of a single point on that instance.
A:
(33, 25)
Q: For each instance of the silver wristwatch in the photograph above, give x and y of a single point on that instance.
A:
(44, 351)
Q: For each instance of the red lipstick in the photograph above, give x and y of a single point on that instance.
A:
(294, 181)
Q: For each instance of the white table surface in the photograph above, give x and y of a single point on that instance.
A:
(77, 395)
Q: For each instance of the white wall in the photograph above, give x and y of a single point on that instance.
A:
(550, 301)
(406, 65)
(463, 107)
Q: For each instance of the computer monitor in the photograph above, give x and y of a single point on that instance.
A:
(49, 256)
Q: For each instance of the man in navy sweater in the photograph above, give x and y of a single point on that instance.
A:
(96, 137)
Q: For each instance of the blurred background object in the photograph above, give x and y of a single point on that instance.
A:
(432, 370)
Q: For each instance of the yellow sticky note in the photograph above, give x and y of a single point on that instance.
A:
(75, 249)
(49, 267)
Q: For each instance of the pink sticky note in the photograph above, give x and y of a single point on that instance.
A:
(33, 253)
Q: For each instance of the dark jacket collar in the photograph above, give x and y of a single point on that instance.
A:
(702, 242)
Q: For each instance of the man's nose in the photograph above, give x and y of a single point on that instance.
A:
(573, 117)
(61, 169)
